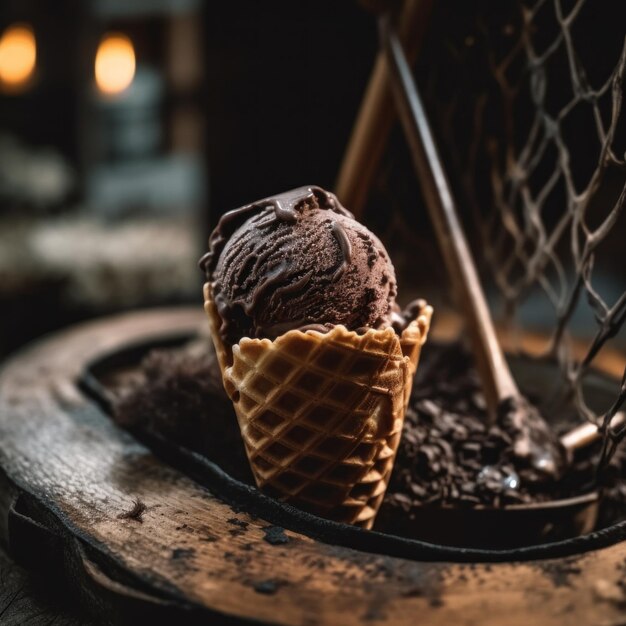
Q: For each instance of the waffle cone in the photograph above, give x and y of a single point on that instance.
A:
(321, 413)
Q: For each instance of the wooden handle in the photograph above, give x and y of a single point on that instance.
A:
(377, 114)
(498, 383)
(587, 433)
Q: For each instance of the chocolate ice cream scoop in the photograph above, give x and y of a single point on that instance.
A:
(297, 260)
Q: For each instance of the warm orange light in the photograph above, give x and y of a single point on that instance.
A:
(18, 56)
(115, 63)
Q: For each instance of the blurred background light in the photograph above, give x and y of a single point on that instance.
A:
(115, 63)
(18, 57)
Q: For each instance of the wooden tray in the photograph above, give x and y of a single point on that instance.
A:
(135, 538)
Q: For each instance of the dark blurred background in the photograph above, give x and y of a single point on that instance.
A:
(127, 128)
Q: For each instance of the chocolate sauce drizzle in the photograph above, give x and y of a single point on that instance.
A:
(238, 310)
(287, 207)
(345, 247)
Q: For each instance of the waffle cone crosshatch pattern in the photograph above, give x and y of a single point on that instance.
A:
(321, 414)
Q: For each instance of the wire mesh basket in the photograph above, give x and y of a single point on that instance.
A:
(526, 98)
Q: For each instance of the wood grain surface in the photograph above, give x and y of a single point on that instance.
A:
(25, 600)
(132, 536)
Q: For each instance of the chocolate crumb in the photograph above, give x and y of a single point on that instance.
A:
(240, 560)
(413, 592)
(182, 553)
(275, 535)
(268, 587)
(240, 527)
(135, 513)
(560, 571)
(237, 522)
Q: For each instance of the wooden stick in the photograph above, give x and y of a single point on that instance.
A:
(587, 433)
(377, 113)
(498, 383)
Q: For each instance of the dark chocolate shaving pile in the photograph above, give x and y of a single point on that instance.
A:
(449, 456)
(180, 396)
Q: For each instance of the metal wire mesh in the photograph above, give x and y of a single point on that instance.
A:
(528, 100)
